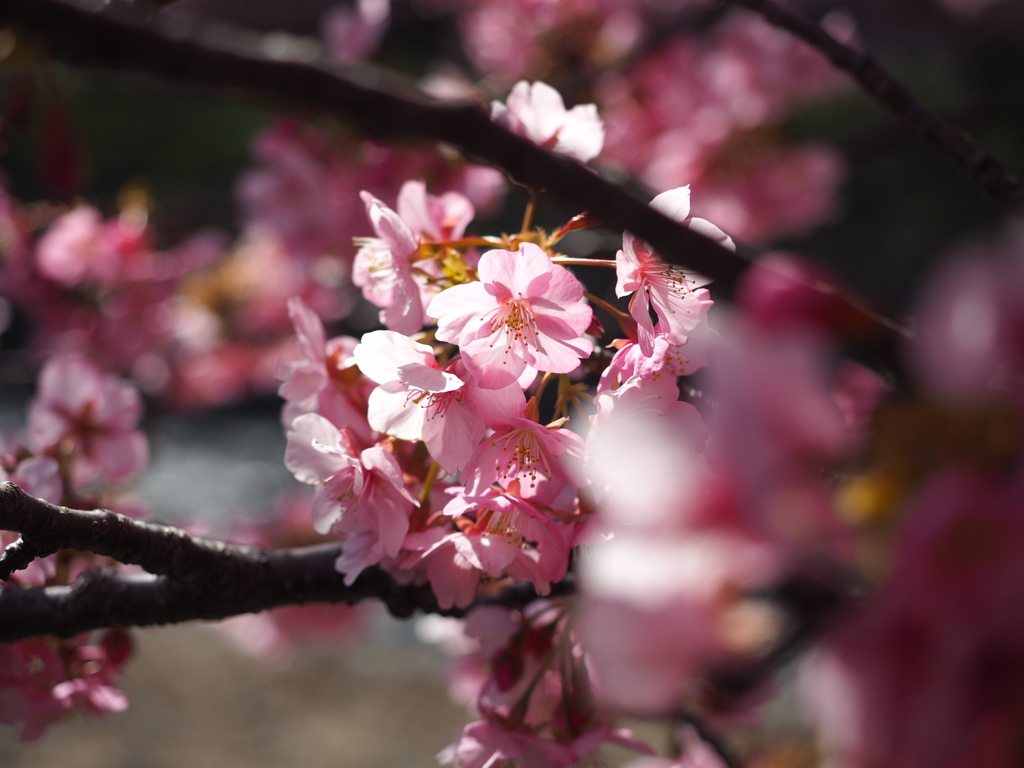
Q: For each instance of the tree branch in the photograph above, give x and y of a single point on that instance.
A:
(954, 145)
(103, 598)
(82, 37)
(189, 578)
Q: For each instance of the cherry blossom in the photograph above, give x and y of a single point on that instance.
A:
(675, 295)
(360, 496)
(96, 412)
(525, 312)
(323, 381)
(530, 460)
(383, 268)
(485, 744)
(42, 679)
(927, 671)
(509, 537)
(353, 34)
(80, 248)
(434, 218)
(417, 400)
(537, 112)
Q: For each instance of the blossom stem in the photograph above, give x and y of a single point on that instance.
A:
(545, 379)
(531, 207)
(469, 242)
(583, 262)
(428, 483)
(612, 310)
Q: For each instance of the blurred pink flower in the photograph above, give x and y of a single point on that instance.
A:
(383, 268)
(929, 669)
(352, 34)
(96, 412)
(537, 112)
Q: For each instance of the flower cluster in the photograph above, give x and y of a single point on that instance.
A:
(455, 447)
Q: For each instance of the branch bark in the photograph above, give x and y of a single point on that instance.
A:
(189, 578)
(82, 37)
(957, 147)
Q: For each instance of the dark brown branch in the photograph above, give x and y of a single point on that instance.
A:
(81, 37)
(46, 528)
(102, 598)
(954, 145)
(189, 578)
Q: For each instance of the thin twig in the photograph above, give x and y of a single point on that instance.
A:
(956, 146)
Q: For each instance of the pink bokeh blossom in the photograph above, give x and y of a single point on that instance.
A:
(537, 112)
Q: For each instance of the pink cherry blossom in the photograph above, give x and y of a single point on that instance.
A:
(928, 669)
(675, 295)
(777, 418)
(525, 312)
(383, 268)
(659, 608)
(434, 217)
(28, 671)
(384, 265)
(971, 312)
(640, 398)
(37, 476)
(41, 679)
(537, 112)
(665, 360)
(417, 400)
(505, 536)
(527, 459)
(81, 248)
(352, 34)
(591, 33)
(362, 497)
(484, 744)
(98, 415)
(323, 381)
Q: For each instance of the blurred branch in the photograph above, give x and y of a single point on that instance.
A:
(954, 145)
(710, 738)
(237, 62)
(812, 602)
(189, 578)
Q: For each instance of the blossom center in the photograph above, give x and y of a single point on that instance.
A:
(515, 318)
(523, 456)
